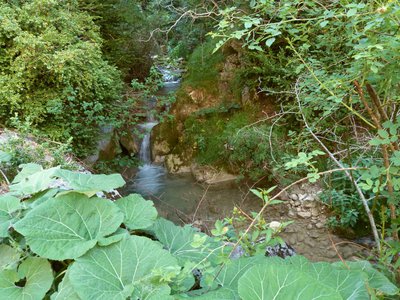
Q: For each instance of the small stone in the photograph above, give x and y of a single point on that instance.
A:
(331, 253)
(304, 214)
(314, 212)
(292, 240)
(294, 197)
(300, 237)
(310, 243)
(309, 226)
(297, 203)
(309, 204)
(319, 225)
(313, 234)
(291, 214)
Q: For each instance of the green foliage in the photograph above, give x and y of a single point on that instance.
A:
(125, 29)
(22, 148)
(262, 234)
(203, 68)
(346, 207)
(344, 90)
(52, 72)
(100, 259)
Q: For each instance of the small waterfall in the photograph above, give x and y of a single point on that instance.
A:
(150, 178)
(145, 151)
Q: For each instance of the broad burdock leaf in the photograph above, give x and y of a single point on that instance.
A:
(33, 179)
(9, 257)
(148, 291)
(68, 226)
(5, 157)
(350, 285)
(27, 170)
(119, 270)
(9, 205)
(178, 241)
(65, 289)
(375, 279)
(90, 184)
(226, 282)
(34, 183)
(220, 294)
(139, 213)
(282, 282)
(35, 277)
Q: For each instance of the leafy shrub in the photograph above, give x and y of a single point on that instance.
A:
(52, 72)
(99, 247)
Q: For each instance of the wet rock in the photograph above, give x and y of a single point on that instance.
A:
(282, 251)
(175, 164)
(212, 176)
(128, 142)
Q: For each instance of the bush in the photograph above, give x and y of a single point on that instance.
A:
(52, 72)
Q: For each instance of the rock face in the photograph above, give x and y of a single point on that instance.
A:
(304, 203)
(114, 142)
(212, 176)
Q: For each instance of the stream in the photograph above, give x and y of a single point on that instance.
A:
(182, 200)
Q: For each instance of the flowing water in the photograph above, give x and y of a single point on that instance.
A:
(181, 199)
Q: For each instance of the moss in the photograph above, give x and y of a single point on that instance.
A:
(203, 68)
(208, 133)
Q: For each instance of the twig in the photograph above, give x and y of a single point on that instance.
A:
(5, 177)
(201, 201)
(337, 252)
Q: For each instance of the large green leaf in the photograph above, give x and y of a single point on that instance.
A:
(179, 241)
(33, 179)
(139, 213)
(375, 279)
(350, 285)
(30, 183)
(8, 257)
(90, 184)
(226, 280)
(38, 276)
(65, 289)
(229, 276)
(5, 156)
(219, 294)
(118, 270)
(68, 226)
(8, 206)
(282, 282)
(27, 170)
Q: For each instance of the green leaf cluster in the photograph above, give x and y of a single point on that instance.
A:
(52, 72)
